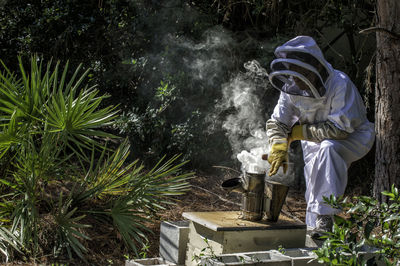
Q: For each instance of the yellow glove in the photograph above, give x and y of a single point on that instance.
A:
(278, 156)
(296, 134)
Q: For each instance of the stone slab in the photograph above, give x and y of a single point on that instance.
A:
(149, 261)
(302, 257)
(267, 258)
(229, 221)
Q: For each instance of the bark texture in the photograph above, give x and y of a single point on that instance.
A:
(387, 97)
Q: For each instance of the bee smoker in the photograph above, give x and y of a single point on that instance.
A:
(261, 199)
(251, 186)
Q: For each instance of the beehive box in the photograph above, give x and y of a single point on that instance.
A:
(224, 233)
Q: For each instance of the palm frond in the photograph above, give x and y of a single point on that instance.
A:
(66, 106)
(165, 178)
(9, 240)
(113, 174)
(129, 224)
(146, 195)
(68, 232)
(25, 224)
(79, 117)
(8, 136)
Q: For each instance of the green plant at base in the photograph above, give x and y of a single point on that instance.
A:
(206, 253)
(369, 227)
(144, 250)
(281, 249)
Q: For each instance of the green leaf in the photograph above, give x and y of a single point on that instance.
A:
(387, 193)
(68, 233)
(369, 226)
(392, 217)
(339, 220)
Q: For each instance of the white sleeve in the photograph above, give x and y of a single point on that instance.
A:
(282, 119)
(347, 109)
(321, 131)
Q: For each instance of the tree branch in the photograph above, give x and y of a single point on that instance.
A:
(218, 196)
(374, 29)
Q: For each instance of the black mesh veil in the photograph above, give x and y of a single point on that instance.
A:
(299, 74)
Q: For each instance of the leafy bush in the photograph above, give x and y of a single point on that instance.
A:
(98, 34)
(59, 178)
(367, 226)
(159, 129)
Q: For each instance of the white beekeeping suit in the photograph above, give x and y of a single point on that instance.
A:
(321, 107)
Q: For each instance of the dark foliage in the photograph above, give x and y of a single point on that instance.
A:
(132, 46)
(95, 33)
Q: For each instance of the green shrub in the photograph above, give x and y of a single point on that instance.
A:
(161, 129)
(60, 179)
(367, 226)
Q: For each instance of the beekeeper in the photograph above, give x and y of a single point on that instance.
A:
(320, 106)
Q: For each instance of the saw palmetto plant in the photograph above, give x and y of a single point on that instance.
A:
(59, 178)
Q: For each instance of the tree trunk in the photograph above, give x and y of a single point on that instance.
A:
(387, 97)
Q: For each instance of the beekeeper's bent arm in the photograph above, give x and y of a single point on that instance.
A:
(318, 132)
(282, 119)
(347, 113)
(276, 130)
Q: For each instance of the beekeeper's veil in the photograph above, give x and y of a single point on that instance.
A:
(300, 61)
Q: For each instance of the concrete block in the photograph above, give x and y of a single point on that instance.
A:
(312, 243)
(301, 256)
(367, 253)
(173, 240)
(149, 261)
(370, 252)
(270, 258)
(228, 259)
(250, 259)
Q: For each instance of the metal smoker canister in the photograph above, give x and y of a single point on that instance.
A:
(274, 197)
(252, 198)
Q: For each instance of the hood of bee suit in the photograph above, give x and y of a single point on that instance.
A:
(300, 60)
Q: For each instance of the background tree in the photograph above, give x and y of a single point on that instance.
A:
(387, 97)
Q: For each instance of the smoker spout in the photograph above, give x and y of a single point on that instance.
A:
(234, 185)
(246, 183)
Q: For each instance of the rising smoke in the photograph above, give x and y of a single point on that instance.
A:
(218, 74)
(245, 124)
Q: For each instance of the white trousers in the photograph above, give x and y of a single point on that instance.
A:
(325, 169)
